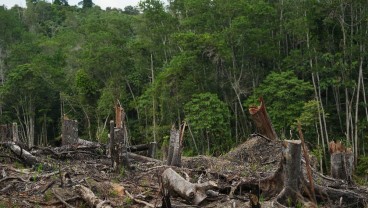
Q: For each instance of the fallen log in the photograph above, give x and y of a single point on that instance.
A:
(262, 120)
(22, 154)
(142, 158)
(139, 147)
(193, 193)
(89, 197)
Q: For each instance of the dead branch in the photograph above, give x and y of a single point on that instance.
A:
(61, 199)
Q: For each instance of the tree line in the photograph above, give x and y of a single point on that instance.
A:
(203, 62)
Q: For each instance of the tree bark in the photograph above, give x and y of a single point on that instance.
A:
(193, 193)
(262, 120)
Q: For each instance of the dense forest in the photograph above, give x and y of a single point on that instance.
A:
(203, 62)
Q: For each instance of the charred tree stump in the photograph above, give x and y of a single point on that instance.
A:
(193, 193)
(111, 138)
(292, 172)
(69, 132)
(262, 120)
(342, 161)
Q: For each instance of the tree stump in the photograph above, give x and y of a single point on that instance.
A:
(152, 149)
(69, 132)
(175, 147)
(119, 152)
(6, 133)
(342, 161)
(262, 120)
(292, 172)
(15, 132)
(174, 134)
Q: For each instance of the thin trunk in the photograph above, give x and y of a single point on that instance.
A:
(357, 111)
(336, 93)
(133, 96)
(236, 123)
(319, 115)
(322, 109)
(347, 131)
(319, 146)
(153, 102)
(194, 141)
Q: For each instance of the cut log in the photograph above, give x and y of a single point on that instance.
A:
(262, 120)
(89, 197)
(193, 193)
(69, 132)
(292, 172)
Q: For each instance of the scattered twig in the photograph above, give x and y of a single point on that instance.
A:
(61, 200)
(49, 185)
(139, 201)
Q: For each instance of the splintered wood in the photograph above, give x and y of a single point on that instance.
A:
(262, 120)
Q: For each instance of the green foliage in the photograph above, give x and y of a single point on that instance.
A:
(209, 117)
(362, 168)
(155, 58)
(284, 96)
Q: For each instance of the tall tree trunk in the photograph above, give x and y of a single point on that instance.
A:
(357, 111)
(153, 102)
